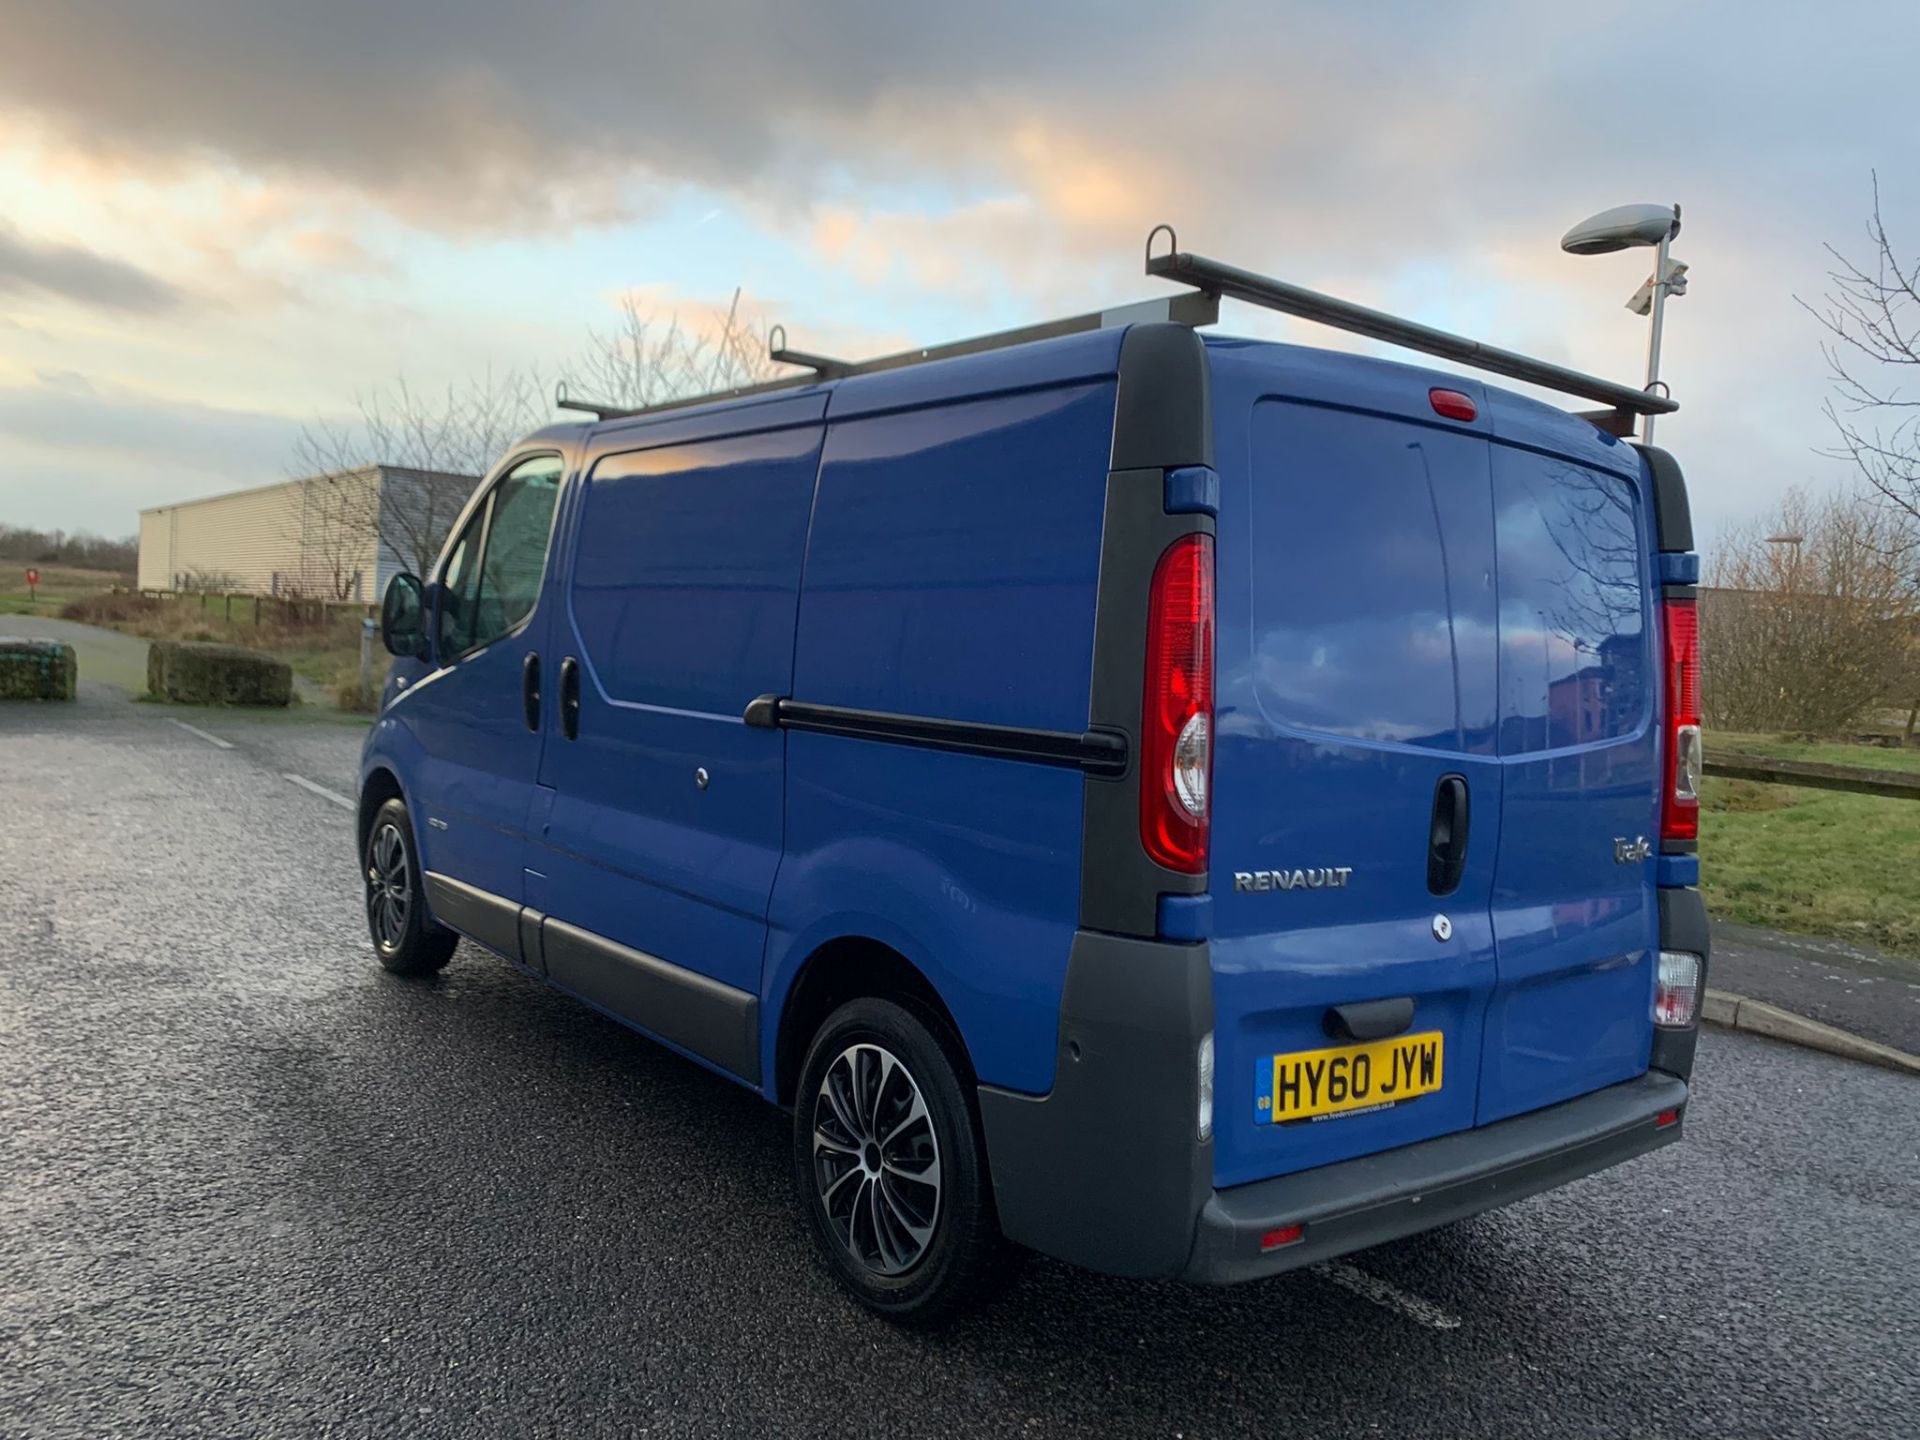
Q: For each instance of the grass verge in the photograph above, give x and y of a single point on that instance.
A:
(60, 586)
(1814, 861)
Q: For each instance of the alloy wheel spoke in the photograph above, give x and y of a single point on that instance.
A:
(876, 1159)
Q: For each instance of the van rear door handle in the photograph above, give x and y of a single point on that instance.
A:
(1369, 1019)
(1447, 835)
(530, 689)
(570, 698)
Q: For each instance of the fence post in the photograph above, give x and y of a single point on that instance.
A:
(256, 612)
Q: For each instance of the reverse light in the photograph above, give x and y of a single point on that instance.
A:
(1204, 1061)
(1176, 730)
(1680, 805)
(1282, 1236)
(1676, 988)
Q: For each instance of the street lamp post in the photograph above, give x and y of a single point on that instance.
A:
(1626, 227)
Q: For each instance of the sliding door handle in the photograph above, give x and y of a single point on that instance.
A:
(530, 689)
(570, 698)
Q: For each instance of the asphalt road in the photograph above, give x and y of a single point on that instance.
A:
(251, 1185)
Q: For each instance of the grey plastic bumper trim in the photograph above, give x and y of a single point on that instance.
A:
(1364, 1202)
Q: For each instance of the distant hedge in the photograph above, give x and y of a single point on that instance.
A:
(191, 672)
(36, 670)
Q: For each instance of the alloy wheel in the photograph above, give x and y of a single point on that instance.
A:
(876, 1159)
(389, 886)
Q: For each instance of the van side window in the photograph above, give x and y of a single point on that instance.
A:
(516, 554)
(492, 576)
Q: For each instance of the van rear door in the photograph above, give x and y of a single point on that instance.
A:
(1574, 916)
(1355, 763)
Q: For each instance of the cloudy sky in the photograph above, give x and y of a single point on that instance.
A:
(220, 219)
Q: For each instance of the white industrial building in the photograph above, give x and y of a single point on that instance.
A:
(326, 537)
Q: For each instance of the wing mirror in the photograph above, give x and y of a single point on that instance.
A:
(403, 618)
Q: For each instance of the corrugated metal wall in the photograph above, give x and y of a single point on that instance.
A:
(306, 537)
(156, 550)
(320, 537)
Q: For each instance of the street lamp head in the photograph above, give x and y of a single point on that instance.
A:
(1785, 539)
(1622, 228)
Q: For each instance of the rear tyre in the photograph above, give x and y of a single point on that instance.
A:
(890, 1168)
(405, 937)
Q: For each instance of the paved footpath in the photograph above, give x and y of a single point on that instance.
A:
(251, 1185)
(1865, 991)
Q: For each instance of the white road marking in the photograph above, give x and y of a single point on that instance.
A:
(1388, 1297)
(325, 794)
(210, 739)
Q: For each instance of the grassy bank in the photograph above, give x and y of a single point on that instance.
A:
(323, 648)
(1814, 861)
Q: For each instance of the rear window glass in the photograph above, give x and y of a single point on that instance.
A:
(1371, 578)
(1573, 658)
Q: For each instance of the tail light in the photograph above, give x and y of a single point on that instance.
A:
(1680, 808)
(1176, 739)
(1676, 988)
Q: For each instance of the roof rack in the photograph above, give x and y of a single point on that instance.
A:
(1187, 309)
(1199, 305)
(1211, 277)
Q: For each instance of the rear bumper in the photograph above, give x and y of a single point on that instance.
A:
(1107, 1171)
(1364, 1202)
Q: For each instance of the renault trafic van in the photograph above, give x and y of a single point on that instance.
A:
(1189, 806)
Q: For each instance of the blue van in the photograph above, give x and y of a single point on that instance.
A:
(1188, 806)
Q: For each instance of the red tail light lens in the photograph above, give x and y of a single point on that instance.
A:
(1176, 732)
(1680, 812)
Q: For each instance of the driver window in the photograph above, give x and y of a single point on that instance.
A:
(492, 576)
(516, 551)
(457, 581)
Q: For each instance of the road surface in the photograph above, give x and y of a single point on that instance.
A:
(252, 1185)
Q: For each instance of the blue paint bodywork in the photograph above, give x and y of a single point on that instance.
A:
(1401, 599)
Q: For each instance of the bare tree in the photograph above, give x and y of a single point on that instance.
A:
(1871, 314)
(435, 445)
(645, 360)
(1809, 620)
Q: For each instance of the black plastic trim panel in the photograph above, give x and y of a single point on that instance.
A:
(697, 1013)
(475, 913)
(1163, 420)
(1683, 926)
(1672, 514)
(1108, 1170)
(1094, 751)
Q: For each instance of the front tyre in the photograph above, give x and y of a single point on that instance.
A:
(405, 937)
(889, 1165)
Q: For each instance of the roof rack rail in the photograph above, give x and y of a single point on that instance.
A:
(1211, 277)
(1190, 309)
(591, 407)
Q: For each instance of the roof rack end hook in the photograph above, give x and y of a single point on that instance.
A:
(1173, 243)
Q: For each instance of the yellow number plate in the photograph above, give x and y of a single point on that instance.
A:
(1311, 1083)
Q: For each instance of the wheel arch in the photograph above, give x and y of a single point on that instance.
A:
(379, 786)
(852, 967)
